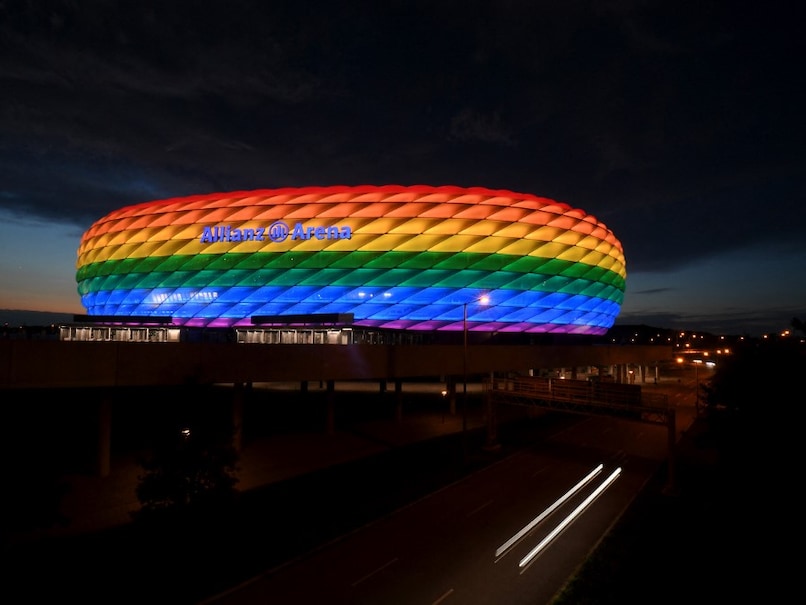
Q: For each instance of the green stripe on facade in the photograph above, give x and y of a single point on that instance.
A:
(380, 269)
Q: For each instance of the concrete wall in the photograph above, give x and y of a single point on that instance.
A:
(26, 364)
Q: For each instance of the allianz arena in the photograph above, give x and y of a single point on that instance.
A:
(417, 258)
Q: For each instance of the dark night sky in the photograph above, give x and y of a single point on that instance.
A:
(679, 125)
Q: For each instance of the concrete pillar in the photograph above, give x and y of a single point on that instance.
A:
(104, 436)
(491, 442)
(237, 415)
(331, 407)
(398, 401)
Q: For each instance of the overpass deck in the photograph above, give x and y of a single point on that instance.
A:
(584, 397)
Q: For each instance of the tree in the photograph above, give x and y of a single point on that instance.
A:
(34, 491)
(753, 396)
(190, 473)
(756, 375)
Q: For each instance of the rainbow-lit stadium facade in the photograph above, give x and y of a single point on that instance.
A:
(419, 258)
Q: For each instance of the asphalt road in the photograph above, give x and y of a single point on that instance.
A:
(447, 546)
(416, 524)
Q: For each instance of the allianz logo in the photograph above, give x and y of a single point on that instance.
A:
(278, 231)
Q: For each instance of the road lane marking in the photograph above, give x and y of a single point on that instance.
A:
(372, 573)
(482, 507)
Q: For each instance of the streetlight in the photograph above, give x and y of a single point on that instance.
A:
(464, 371)
(483, 300)
(697, 363)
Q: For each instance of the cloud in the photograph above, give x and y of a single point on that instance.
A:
(680, 130)
(469, 125)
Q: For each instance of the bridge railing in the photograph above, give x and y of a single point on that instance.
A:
(578, 395)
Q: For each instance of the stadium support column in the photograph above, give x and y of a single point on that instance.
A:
(331, 407)
(104, 435)
(491, 443)
(237, 416)
(398, 401)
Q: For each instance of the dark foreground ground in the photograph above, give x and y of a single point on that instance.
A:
(707, 540)
(718, 537)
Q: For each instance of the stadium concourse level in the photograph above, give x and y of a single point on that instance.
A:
(336, 328)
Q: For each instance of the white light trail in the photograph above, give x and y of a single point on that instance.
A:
(557, 503)
(605, 484)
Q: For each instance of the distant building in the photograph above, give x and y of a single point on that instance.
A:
(414, 258)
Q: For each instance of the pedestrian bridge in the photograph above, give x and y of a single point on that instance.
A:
(617, 400)
(583, 396)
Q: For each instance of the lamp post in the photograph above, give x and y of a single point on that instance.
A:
(483, 300)
(464, 371)
(697, 387)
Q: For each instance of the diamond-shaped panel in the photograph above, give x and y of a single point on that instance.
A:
(409, 257)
